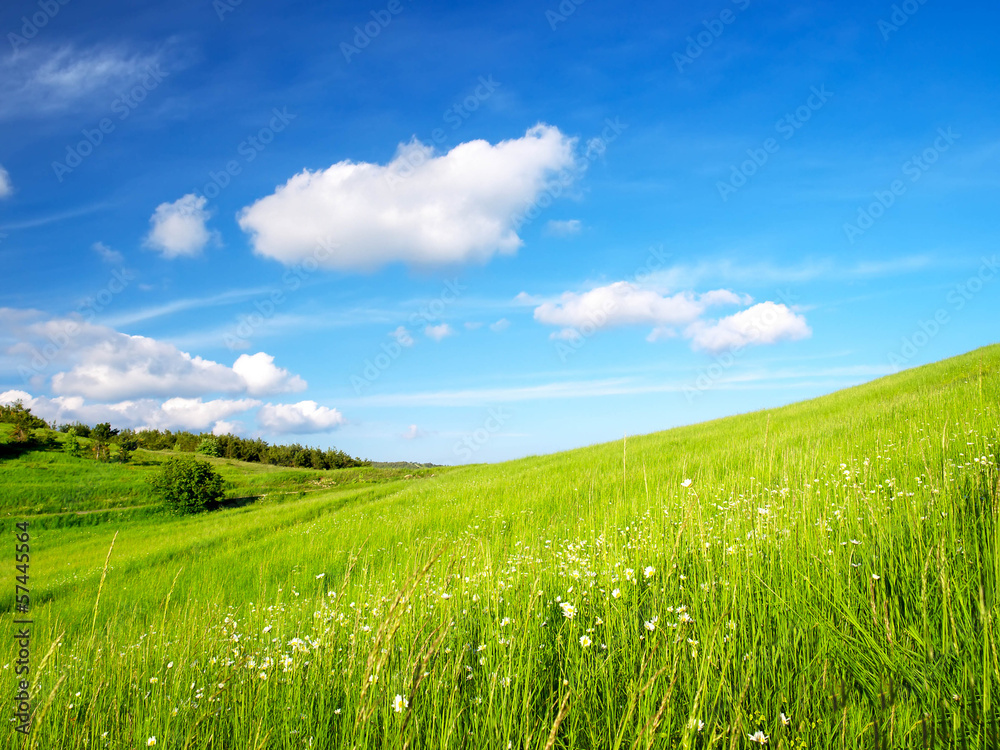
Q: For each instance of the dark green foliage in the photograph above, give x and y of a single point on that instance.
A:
(102, 435)
(187, 486)
(127, 445)
(72, 445)
(78, 428)
(23, 420)
(219, 446)
(209, 447)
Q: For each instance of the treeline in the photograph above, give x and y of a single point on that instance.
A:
(232, 446)
(125, 442)
(24, 421)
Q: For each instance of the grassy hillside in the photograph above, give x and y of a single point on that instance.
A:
(43, 480)
(823, 574)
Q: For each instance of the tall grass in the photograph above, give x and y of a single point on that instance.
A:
(823, 575)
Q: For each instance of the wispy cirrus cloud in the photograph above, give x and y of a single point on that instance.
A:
(6, 187)
(757, 379)
(44, 80)
(107, 254)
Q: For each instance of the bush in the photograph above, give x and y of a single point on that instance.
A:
(127, 445)
(23, 420)
(187, 486)
(209, 447)
(72, 445)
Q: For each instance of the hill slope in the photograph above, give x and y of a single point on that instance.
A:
(827, 577)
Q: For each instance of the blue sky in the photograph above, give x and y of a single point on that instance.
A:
(452, 232)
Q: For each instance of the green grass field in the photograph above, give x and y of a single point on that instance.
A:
(823, 575)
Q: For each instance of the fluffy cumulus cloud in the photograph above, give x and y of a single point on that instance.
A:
(98, 362)
(6, 188)
(670, 315)
(439, 332)
(98, 374)
(621, 304)
(413, 433)
(262, 377)
(180, 228)
(172, 414)
(421, 208)
(301, 418)
(765, 323)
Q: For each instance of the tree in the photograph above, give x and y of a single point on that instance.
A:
(72, 445)
(80, 429)
(187, 486)
(209, 447)
(23, 420)
(101, 435)
(127, 445)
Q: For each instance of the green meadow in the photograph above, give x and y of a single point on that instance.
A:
(821, 575)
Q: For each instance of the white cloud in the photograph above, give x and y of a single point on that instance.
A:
(764, 323)
(624, 303)
(222, 427)
(119, 366)
(523, 299)
(43, 80)
(179, 228)
(301, 418)
(725, 297)
(9, 397)
(6, 188)
(438, 332)
(402, 336)
(618, 304)
(195, 414)
(172, 414)
(262, 377)
(420, 208)
(98, 362)
(413, 432)
(500, 326)
(107, 254)
(563, 228)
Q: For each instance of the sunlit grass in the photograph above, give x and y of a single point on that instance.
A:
(827, 578)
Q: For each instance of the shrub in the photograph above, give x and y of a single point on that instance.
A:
(23, 420)
(209, 447)
(127, 445)
(102, 435)
(187, 486)
(72, 445)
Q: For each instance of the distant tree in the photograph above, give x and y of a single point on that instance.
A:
(22, 419)
(187, 486)
(102, 435)
(80, 429)
(127, 445)
(72, 445)
(186, 442)
(209, 447)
